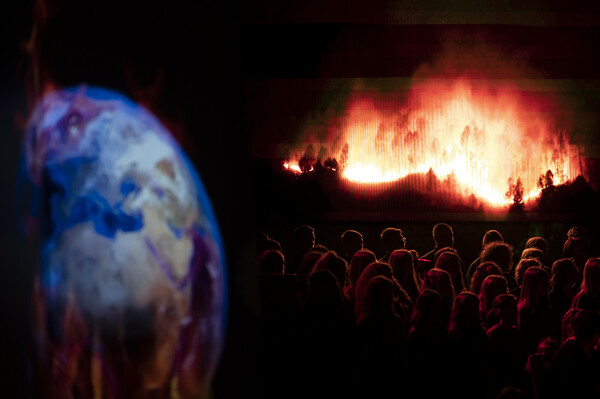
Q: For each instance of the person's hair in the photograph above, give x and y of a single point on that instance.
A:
(578, 232)
(269, 243)
(483, 270)
(302, 230)
(450, 262)
(427, 309)
(500, 253)
(371, 271)
(539, 243)
(533, 253)
(307, 263)
(490, 289)
(522, 267)
(439, 280)
(305, 268)
(572, 245)
(443, 250)
(491, 236)
(585, 324)
(402, 264)
(443, 235)
(503, 304)
(560, 270)
(536, 283)
(302, 233)
(388, 236)
(324, 288)
(379, 296)
(271, 261)
(360, 260)
(465, 313)
(335, 264)
(566, 325)
(591, 276)
(350, 236)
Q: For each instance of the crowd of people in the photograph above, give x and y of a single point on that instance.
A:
(511, 323)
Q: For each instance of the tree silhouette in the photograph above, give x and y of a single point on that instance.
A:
(515, 191)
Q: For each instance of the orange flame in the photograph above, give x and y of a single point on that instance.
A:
(478, 137)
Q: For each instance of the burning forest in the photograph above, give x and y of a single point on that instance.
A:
(450, 133)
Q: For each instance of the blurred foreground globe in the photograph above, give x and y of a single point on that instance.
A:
(129, 295)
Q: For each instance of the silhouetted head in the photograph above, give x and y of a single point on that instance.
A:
(307, 263)
(522, 266)
(305, 268)
(492, 287)
(352, 242)
(591, 277)
(500, 253)
(443, 235)
(536, 284)
(564, 274)
(450, 262)
(392, 239)
(335, 264)
(323, 288)
(371, 271)
(533, 253)
(578, 232)
(465, 312)
(539, 243)
(379, 298)
(483, 270)
(268, 243)
(576, 248)
(566, 324)
(427, 309)
(505, 309)
(402, 264)
(439, 280)
(305, 238)
(586, 325)
(360, 260)
(271, 261)
(441, 251)
(491, 236)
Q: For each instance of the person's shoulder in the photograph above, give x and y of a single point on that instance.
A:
(429, 255)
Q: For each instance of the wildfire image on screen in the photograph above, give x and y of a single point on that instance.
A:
(483, 139)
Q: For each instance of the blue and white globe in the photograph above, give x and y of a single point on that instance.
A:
(131, 275)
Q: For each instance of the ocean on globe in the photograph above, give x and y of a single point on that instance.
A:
(130, 286)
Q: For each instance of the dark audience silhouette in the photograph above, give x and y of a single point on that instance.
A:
(588, 298)
(443, 237)
(402, 264)
(489, 237)
(364, 327)
(304, 237)
(391, 239)
(471, 356)
(360, 260)
(352, 242)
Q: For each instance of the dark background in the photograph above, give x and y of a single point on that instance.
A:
(232, 80)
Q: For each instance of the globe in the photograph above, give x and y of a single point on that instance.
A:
(130, 283)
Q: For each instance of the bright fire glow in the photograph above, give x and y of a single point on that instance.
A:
(479, 138)
(292, 167)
